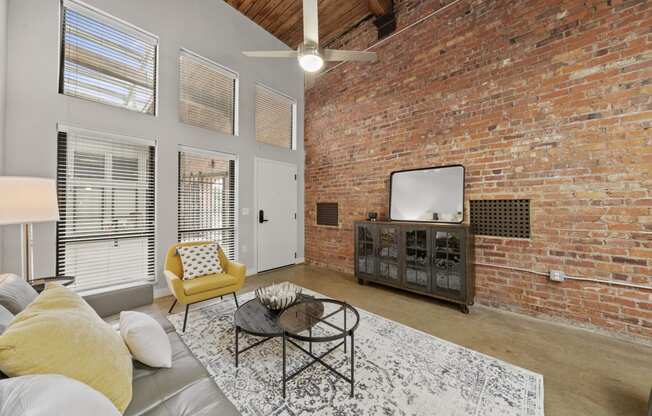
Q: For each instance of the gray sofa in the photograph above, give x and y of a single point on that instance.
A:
(186, 389)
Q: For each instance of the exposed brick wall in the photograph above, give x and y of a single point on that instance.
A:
(543, 99)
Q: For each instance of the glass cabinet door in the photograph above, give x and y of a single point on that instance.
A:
(388, 246)
(416, 271)
(366, 247)
(448, 264)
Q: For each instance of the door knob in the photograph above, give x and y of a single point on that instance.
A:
(261, 216)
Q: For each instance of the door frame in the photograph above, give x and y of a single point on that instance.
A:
(257, 161)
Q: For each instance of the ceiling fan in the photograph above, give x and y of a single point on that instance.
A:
(310, 56)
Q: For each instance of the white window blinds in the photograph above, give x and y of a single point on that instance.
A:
(107, 60)
(207, 94)
(106, 190)
(275, 117)
(207, 198)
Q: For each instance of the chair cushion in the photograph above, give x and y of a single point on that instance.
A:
(70, 339)
(15, 293)
(207, 283)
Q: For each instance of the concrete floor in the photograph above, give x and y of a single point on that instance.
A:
(584, 373)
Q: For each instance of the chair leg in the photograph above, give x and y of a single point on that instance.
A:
(172, 307)
(185, 318)
(236, 300)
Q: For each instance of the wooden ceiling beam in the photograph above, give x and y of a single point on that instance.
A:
(380, 7)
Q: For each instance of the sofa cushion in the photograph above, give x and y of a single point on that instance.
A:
(146, 339)
(70, 339)
(207, 283)
(15, 293)
(5, 318)
(185, 389)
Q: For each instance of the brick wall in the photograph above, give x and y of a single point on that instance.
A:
(543, 99)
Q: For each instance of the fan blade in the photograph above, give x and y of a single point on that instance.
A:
(271, 54)
(310, 22)
(340, 55)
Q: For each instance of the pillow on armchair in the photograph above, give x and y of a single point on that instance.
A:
(199, 260)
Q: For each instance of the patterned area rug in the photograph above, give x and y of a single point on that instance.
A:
(398, 371)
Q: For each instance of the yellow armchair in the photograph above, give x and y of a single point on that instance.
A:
(199, 289)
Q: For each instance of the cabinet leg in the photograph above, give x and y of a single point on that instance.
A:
(464, 309)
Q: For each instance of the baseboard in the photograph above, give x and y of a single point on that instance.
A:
(300, 260)
(251, 272)
(161, 292)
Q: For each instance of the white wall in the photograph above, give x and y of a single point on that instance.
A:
(208, 27)
(3, 84)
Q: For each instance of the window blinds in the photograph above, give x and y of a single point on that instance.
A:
(106, 191)
(274, 117)
(207, 198)
(207, 94)
(107, 60)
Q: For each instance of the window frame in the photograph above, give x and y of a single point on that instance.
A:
(224, 70)
(128, 140)
(294, 104)
(138, 31)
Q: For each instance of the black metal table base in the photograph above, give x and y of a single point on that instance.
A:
(320, 359)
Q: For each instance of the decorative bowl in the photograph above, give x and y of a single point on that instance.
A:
(278, 296)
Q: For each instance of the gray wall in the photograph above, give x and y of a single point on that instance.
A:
(3, 83)
(208, 27)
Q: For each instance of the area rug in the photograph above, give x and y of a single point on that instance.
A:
(398, 371)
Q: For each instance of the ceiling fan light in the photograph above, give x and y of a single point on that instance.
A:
(311, 62)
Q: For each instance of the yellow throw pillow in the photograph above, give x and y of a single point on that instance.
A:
(59, 333)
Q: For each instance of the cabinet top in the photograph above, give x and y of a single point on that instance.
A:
(413, 223)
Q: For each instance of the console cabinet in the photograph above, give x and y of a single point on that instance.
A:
(431, 259)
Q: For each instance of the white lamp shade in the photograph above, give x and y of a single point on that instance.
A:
(27, 200)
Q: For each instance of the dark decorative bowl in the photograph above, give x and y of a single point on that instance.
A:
(278, 296)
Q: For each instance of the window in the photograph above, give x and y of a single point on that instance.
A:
(275, 118)
(107, 60)
(207, 94)
(106, 190)
(207, 198)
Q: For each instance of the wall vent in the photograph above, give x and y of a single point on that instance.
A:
(501, 217)
(327, 214)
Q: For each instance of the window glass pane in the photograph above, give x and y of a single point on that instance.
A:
(106, 190)
(207, 199)
(106, 60)
(274, 118)
(207, 94)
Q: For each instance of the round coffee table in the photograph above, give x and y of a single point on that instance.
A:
(255, 319)
(326, 320)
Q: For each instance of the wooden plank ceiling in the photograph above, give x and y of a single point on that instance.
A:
(283, 18)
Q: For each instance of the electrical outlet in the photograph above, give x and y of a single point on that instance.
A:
(244, 249)
(557, 276)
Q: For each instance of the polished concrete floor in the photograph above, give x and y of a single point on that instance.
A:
(584, 373)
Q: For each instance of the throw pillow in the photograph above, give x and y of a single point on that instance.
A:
(15, 293)
(146, 339)
(5, 318)
(199, 260)
(51, 394)
(59, 333)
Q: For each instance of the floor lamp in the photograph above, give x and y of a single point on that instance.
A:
(27, 201)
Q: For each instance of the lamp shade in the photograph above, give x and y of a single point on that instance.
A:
(27, 200)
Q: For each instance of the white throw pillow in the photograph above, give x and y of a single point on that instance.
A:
(146, 339)
(199, 260)
(52, 394)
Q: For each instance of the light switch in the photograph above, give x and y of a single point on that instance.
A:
(245, 211)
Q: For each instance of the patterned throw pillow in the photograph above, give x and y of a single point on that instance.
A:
(199, 260)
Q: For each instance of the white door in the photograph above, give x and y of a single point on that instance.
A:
(276, 216)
